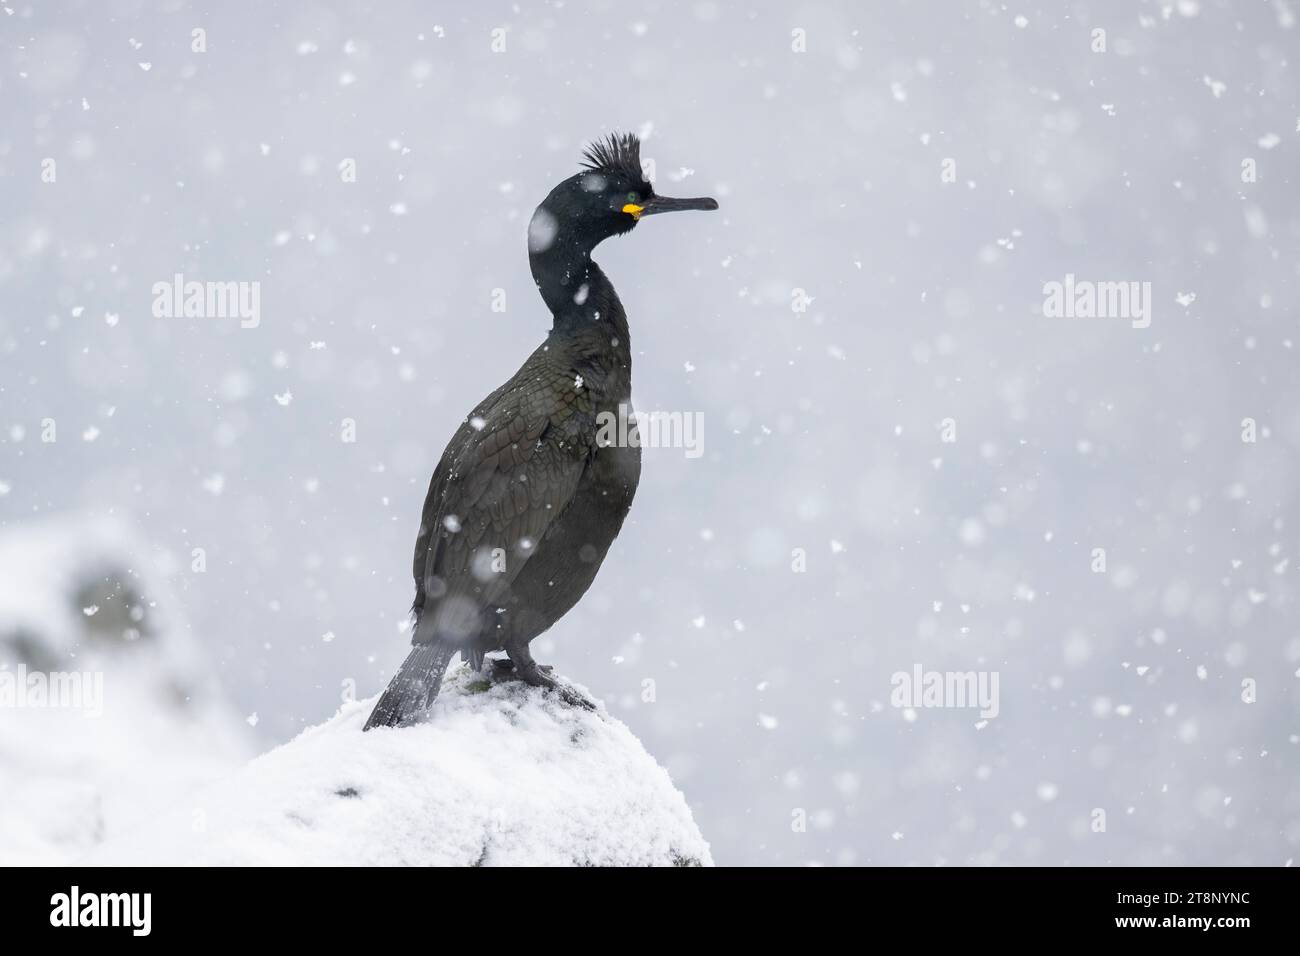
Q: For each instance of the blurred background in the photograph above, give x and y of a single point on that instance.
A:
(897, 182)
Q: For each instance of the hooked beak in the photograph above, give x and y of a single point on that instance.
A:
(658, 204)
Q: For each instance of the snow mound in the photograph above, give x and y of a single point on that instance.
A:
(91, 587)
(501, 774)
(86, 602)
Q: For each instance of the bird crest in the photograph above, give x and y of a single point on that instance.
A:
(616, 153)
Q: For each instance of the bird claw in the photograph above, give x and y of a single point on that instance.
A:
(573, 698)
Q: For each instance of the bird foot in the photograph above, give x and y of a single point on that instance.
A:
(539, 675)
(504, 668)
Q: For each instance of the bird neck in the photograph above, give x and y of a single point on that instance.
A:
(581, 298)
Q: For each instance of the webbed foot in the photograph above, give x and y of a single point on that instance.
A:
(538, 675)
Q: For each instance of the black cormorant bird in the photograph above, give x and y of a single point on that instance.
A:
(525, 501)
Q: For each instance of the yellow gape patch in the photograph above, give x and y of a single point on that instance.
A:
(633, 210)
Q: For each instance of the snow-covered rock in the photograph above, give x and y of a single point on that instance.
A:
(108, 711)
(501, 774)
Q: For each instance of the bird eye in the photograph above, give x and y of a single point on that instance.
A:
(631, 197)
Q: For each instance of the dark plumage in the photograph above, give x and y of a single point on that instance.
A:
(524, 504)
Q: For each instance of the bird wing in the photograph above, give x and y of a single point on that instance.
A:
(509, 472)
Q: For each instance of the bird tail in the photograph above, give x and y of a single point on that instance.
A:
(414, 687)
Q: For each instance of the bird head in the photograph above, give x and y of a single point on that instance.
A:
(607, 198)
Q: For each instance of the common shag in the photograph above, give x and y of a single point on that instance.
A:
(529, 494)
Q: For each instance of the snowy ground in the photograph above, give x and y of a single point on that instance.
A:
(502, 774)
